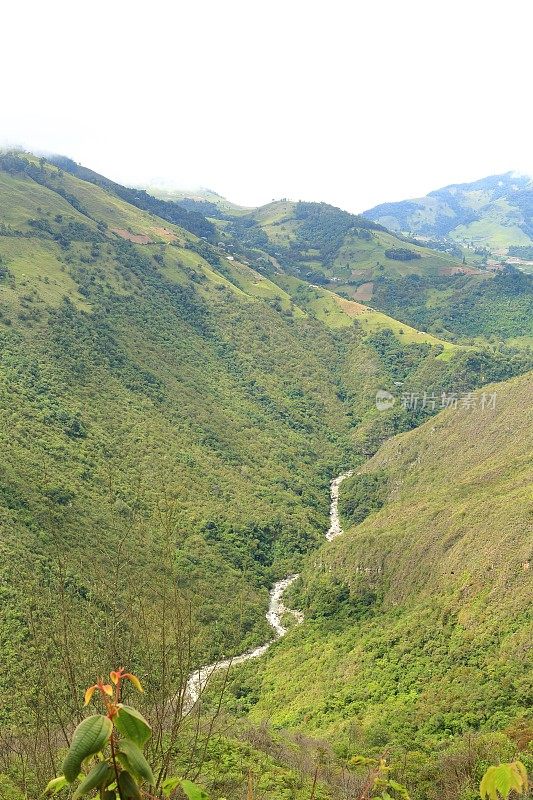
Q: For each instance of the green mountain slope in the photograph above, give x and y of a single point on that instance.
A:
(417, 618)
(430, 291)
(171, 413)
(463, 307)
(317, 241)
(320, 242)
(133, 373)
(460, 295)
(494, 212)
(462, 299)
(139, 367)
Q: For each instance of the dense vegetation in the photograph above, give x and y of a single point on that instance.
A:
(362, 495)
(323, 228)
(521, 251)
(418, 631)
(461, 306)
(170, 422)
(402, 254)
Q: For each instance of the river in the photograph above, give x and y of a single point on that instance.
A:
(277, 609)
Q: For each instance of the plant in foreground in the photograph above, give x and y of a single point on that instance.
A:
(498, 782)
(106, 754)
(106, 759)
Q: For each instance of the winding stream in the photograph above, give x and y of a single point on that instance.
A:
(197, 682)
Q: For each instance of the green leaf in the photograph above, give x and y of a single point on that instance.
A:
(131, 724)
(55, 785)
(137, 762)
(101, 775)
(169, 785)
(191, 790)
(362, 761)
(123, 761)
(128, 788)
(500, 781)
(520, 768)
(89, 738)
(399, 788)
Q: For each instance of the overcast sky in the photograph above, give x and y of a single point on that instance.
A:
(352, 103)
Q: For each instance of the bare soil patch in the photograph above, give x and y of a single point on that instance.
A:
(136, 238)
(364, 292)
(164, 232)
(350, 307)
(462, 270)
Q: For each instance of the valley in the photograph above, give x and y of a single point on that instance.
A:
(197, 682)
(266, 442)
(416, 620)
(183, 386)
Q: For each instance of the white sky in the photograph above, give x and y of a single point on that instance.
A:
(353, 103)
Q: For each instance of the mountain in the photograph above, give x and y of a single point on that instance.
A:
(458, 295)
(323, 243)
(204, 201)
(494, 213)
(418, 624)
(139, 368)
(173, 405)
(139, 363)
(166, 209)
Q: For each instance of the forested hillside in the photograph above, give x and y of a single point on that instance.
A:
(319, 242)
(142, 367)
(445, 290)
(418, 625)
(462, 307)
(173, 407)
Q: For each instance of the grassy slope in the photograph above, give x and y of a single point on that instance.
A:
(337, 313)
(369, 256)
(190, 377)
(447, 559)
(356, 257)
(318, 243)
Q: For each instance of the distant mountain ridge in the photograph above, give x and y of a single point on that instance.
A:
(170, 210)
(426, 281)
(494, 212)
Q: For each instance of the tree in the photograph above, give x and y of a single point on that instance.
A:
(106, 752)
